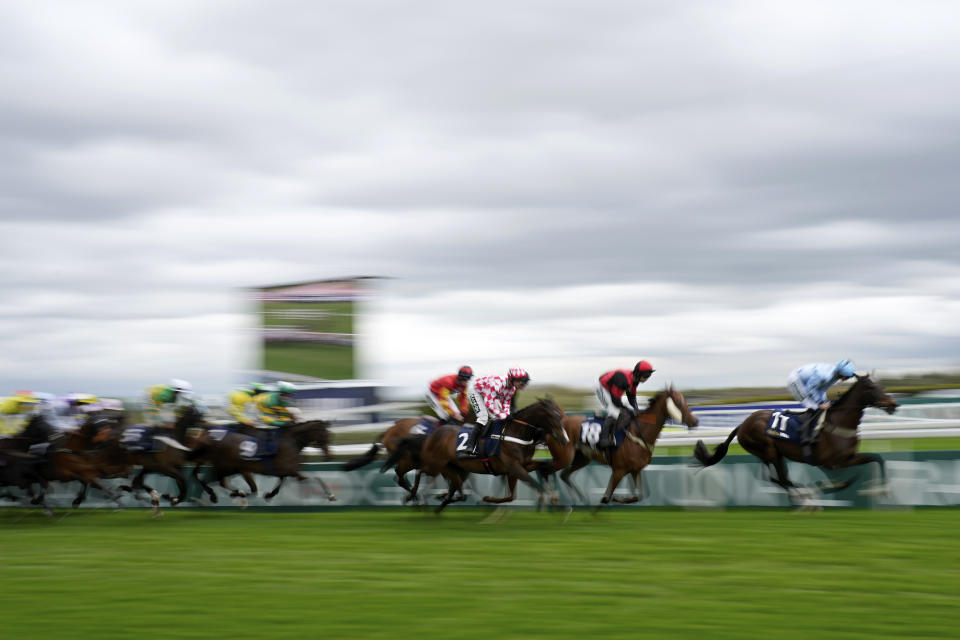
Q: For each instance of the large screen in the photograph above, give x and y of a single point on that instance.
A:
(308, 329)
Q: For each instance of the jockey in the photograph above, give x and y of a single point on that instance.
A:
(162, 403)
(276, 408)
(67, 413)
(447, 395)
(16, 410)
(610, 389)
(241, 405)
(492, 398)
(809, 385)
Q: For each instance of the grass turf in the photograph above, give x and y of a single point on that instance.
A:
(398, 573)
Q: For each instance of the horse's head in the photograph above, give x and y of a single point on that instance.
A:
(872, 395)
(545, 415)
(678, 409)
(671, 403)
(315, 433)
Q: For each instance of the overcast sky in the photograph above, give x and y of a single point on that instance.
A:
(728, 189)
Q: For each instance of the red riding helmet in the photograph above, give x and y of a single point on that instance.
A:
(643, 368)
(465, 373)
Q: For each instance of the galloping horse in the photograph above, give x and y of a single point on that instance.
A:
(229, 456)
(520, 434)
(637, 449)
(65, 458)
(835, 448)
(165, 453)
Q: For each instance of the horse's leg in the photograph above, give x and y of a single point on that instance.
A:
(513, 468)
(207, 488)
(302, 478)
(579, 462)
(81, 495)
(635, 483)
(273, 492)
(251, 484)
(176, 476)
(511, 486)
(861, 459)
(799, 496)
(616, 475)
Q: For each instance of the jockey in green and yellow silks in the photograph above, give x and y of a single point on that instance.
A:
(162, 403)
(241, 405)
(16, 410)
(276, 407)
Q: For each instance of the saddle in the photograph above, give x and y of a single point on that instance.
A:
(797, 427)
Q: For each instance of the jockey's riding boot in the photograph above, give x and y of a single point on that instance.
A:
(606, 438)
(477, 435)
(810, 422)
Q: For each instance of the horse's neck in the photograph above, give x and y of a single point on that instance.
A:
(649, 429)
(299, 434)
(848, 410)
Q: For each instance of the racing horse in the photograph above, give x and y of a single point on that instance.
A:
(228, 454)
(635, 452)
(521, 432)
(834, 448)
(164, 452)
(65, 459)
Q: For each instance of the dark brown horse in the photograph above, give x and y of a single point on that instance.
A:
(835, 447)
(521, 432)
(637, 449)
(228, 456)
(65, 458)
(110, 440)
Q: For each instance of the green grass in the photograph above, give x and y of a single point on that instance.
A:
(624, 573)
(321, 360)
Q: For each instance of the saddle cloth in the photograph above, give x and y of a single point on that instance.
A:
(787, 425)
(490, 446)
(140, 439)
(251, 448)
(590, 432)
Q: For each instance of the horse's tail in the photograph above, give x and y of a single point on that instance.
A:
(705, 458)
(411, 445)
(364, 460)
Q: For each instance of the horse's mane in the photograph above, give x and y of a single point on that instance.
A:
(846, 393)
(655, 398)
(540, 402)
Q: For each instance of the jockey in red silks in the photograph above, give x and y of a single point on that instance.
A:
(611, 387)
(447, 395)
(492, 399)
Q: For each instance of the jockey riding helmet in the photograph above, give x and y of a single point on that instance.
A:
(465, 373)
(518, 374)
(285, 388)
(181, 386)
(643, 369)
(845, 369)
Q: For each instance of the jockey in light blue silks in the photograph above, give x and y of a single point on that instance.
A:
(809, 385)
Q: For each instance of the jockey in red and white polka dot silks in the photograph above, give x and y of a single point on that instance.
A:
(492, 398)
